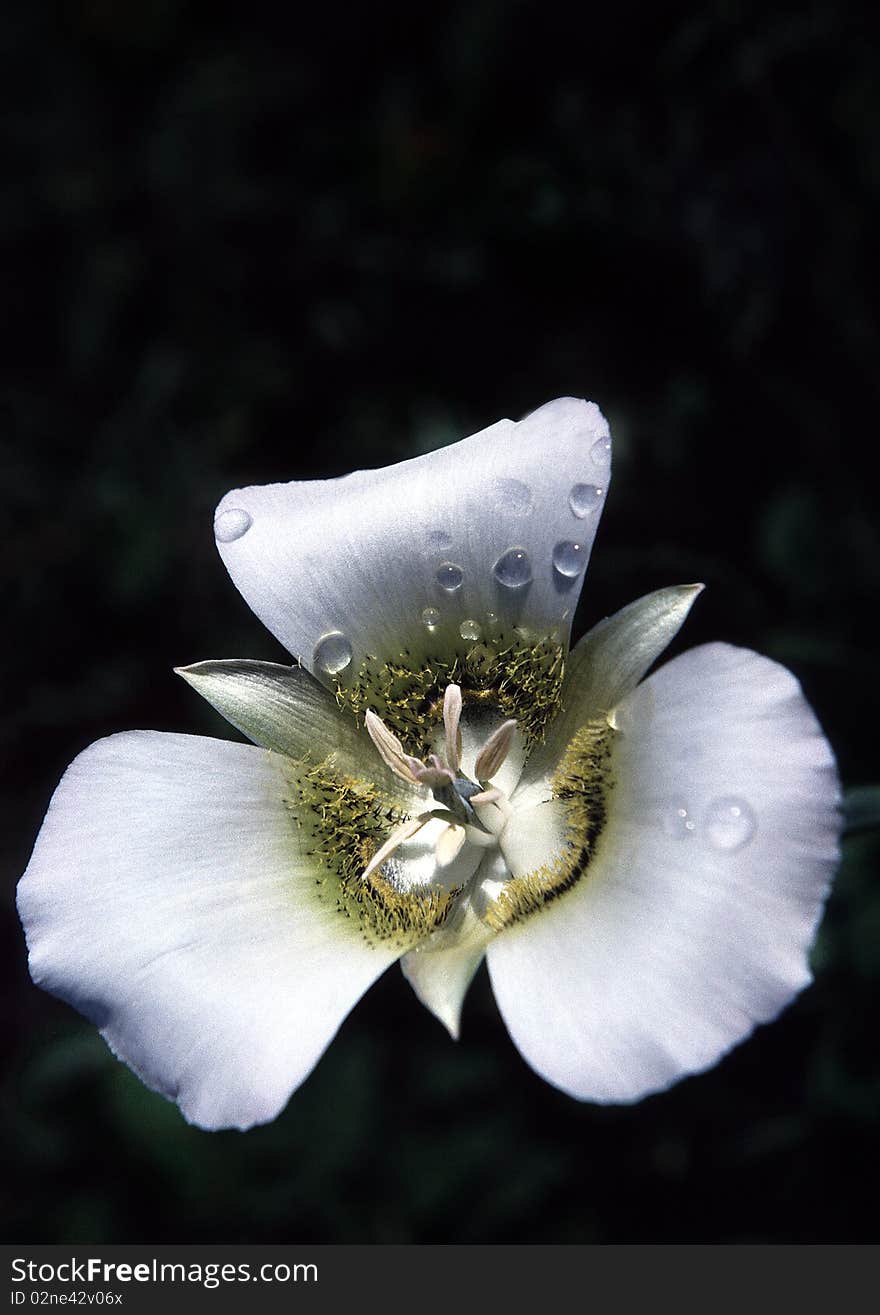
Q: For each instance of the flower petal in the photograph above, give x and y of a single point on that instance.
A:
(441, 970)
(676, 941)
(171, 900)
(603, 667)
(431, 556)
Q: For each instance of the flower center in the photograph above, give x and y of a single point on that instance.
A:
(458, 797)
(534, 853)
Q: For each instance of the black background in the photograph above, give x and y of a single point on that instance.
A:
(247, 243)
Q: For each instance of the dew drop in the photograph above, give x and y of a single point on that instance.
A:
(231, 524)
(491, 619)
(585, 498)
(601, 452)
(513, 568)
(449, 577)
(514, 495)
(569, 558)
(332, 653)
(729, 822)
(675, 819)
(439, 540)
(431, 618)
(469, 630)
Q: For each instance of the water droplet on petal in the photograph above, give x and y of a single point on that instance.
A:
(231, 524)
(469, 630)
(513, 569)
(491, 618)
(729, 822)
(585, 498)
(601, 452)
(514, 495)
(439, 540)
(332, 653)
(675, 819)
(569, 558)
(449, 577)
(431, 618)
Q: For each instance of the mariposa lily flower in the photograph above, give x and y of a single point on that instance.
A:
(643, 863)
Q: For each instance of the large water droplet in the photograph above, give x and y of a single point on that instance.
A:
(449, 577)
(514, 495)
(469, 630)
(729, 822)
(231, 524)
(431, 618)
(601, 452)
(675, 819)
(513, 569)
(585, 498)
(569, 558)
(332, 653)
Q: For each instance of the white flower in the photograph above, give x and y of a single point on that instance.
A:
(643, 865)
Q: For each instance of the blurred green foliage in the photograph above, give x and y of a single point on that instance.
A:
(240, 248)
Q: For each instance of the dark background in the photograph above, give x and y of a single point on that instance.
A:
(239, 249)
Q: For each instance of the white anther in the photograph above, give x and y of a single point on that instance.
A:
(397, 837)
(449, 844)
(490, 796)
(391, 750)
(494, 751)
(435, 778)
(451, 718)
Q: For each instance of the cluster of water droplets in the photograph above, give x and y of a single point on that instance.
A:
(513, 570)
(727, 823)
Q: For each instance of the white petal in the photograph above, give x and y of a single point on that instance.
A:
(441, 970)
(343, 569)
(675, 943)
(168, 899)
(602, 668)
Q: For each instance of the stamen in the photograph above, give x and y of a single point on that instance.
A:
(451, 717)
(449, 844)
(490, 796)
(435, 777)
(494, 751)
(391, 750)
(397, 837)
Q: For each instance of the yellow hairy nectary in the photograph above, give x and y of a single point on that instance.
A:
(344, 820)
(522, 677)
